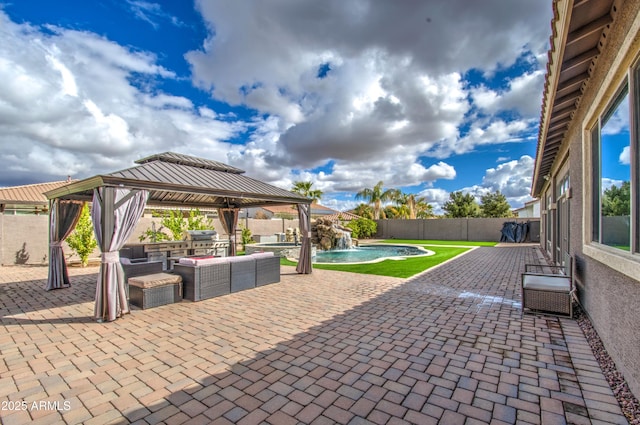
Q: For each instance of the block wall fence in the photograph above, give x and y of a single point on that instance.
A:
(24, 238)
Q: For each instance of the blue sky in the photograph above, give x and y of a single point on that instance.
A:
(429, 97)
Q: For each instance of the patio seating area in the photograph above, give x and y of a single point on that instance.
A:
(447, 346)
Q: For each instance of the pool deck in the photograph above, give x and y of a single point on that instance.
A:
(447, 346)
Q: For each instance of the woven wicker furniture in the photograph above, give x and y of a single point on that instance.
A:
(155, 290)
(548, 289)
(141, 268)
(202, 282)
(267, 269)
(243, 272)
(133, 268)
(208, 277)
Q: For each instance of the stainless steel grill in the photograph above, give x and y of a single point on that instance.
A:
(201, 235)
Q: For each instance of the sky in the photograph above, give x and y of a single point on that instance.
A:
(429, 97)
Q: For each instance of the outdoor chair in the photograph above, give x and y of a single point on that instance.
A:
(138, 267)
(548, 289)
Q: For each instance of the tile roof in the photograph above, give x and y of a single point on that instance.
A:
(344, 216)
(30, 193)
(315, 209)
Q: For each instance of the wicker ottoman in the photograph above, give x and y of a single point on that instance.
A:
(154, 290)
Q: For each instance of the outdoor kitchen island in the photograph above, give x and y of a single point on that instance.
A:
(196, 243)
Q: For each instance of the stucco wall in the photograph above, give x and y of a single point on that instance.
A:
(24, 238)
(453, 229)
(30, 232)
(610, 298)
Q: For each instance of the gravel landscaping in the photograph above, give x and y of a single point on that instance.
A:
(628, 402)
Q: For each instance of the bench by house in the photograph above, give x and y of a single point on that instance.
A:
(548, 289)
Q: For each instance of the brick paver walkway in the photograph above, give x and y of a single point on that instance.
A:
(448, 346)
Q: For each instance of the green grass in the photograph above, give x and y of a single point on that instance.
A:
(394, 268)
(436, 242)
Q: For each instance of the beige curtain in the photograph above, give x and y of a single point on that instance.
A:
(115, 214)
(229, 219)
(304, 218)
(63, 217)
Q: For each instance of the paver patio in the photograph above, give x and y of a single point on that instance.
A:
(448, 346)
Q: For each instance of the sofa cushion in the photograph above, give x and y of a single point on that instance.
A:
(153, 280)
(262, 254)
(546, 283)
(240, 259)
(201, 261)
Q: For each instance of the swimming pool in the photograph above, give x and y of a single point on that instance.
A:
(369, 254)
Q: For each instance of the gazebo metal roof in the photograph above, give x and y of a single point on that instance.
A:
(174, 179)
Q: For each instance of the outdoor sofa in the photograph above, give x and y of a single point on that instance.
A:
(208, 277)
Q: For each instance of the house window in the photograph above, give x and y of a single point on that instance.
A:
(613, 156)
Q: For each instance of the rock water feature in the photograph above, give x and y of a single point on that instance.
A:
(327, 235)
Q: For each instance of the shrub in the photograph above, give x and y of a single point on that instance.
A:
(83, 241)
(246, 236)
(174, 222)
(363, 228)
(199, 221)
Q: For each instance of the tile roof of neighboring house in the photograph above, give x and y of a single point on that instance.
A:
(30, 194)
(279, 209)
(346, 216)
(315, 209)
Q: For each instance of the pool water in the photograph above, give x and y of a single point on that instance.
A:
(369, 254)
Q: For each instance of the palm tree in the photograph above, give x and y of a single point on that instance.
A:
(418, 206)
(363, 210)
(304, 189)
(400, 211)
(424, 209)
(376, 196)
(412, 207)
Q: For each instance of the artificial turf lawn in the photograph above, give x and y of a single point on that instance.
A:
(394, 268)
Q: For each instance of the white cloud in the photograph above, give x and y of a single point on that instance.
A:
(388, 86)
(68, 107)
(512, 179)
(618, 122)
(517, 97)
(606, 183)
(391, 97)
(482, 133)
(625, 156)
(151, 13)
(436, 198)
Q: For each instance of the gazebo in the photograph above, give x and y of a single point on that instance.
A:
(166, 179)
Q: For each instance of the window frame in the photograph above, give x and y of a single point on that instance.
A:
(626, 262)
(596, 165)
